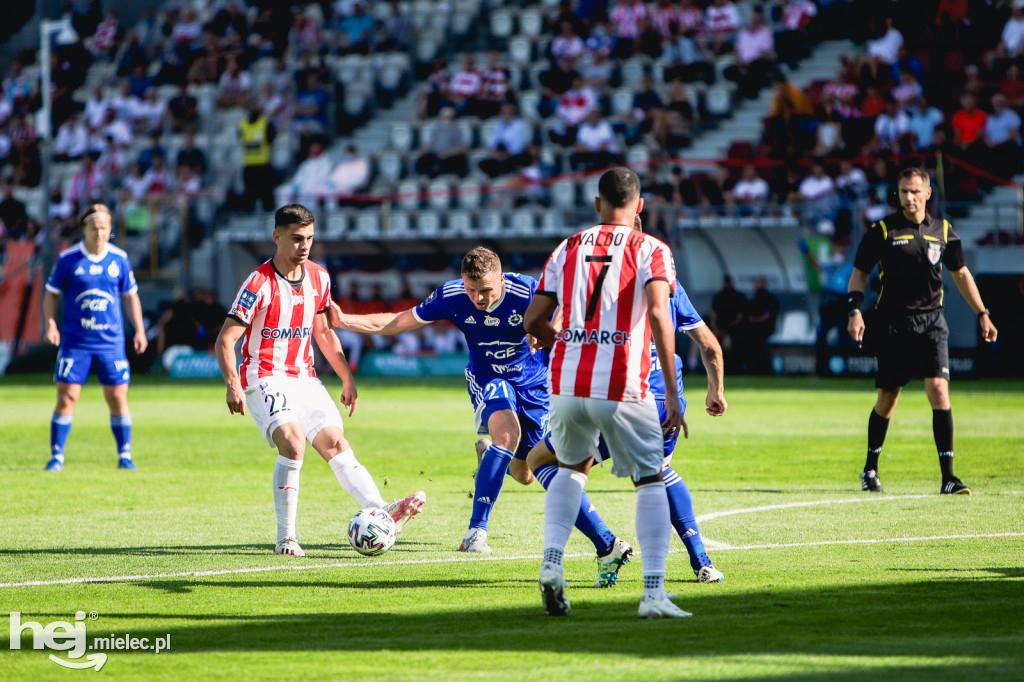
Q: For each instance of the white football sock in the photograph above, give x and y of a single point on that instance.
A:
(561, 507)
(286, 495)
(654, 533)
(356, 480)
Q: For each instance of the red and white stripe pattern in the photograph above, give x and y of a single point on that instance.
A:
(602, 349)
(278, 340)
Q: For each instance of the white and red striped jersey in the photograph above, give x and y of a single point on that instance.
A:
(599, 277)
(278, 314)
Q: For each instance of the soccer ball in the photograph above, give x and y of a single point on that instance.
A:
(372, 531)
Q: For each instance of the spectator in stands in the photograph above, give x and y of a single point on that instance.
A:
(398, 32)
(685, 54)
(507, 145)
(256, 134)
(816, 195)
(892, 127)
(87, 184)
(12, 213)
(788, 134)
(968, 123)
(727, 317)
(116, 128)
(234, 87)
(183, 111)
(873, 103)
(126, 104)
(309, 181)
(852, 182)
(188, 31)
(723, 21)
(495, 89)
(107, 36)
(72, 140)
(349, 177)
(574, 105)
(139, 81)
(158, 179)
(554, 83)
(792, 41)
(148, 33)
(716, 190)
(190, 156)
(1011, 41)
(755, 57)
(18, 88)
(530, 185)
(829, 134)
(924, 119)
(63, 221)
(1002, 139)
(679, 118)
(466, 88)
(596, 144)
(356, 31)
(177, 325)
(267, 35)
(1012, 87)
(566, 46)
(646, 113)
(762, 312)
(152, 113)
(113, 157)
(96, 108)
(310, 118)
(882, 52)
(230, 25)
(628, 17)
(24, 154)
(133, 54)
(446, 149)
(750, 194)
(434, 95)
(208, 63)
(596, 70)
(154, 150)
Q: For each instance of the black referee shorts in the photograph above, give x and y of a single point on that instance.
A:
(908, 347)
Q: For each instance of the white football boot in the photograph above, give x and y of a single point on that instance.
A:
(289, 546)
(661, 608)
(608, 565)
(710, 574)
(552, 590)
(475, 541)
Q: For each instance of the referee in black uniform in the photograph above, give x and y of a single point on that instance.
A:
(909, 336)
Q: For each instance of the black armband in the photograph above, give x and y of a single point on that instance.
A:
(854, 300)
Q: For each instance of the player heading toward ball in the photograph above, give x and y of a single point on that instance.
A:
(614, 285)
(505, 379)
(908, 333)
(278, 310)
(94, 278)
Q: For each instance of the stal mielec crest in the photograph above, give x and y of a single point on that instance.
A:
(515, 319)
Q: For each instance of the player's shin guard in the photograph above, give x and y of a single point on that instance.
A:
(561, 505)
(588, 521)
(490, 476)
(121, 425)
(680, 509)
(60, 429)
(654, 533)
(286, 495)
(356, 480)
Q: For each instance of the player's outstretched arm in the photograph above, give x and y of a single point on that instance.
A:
(714, 365)
(135, 314)
(225, 349)
(330, 346)
(856, 287)
(50, 315)
(969, 290)
(537, 319)
(385, 324)
(659, 312)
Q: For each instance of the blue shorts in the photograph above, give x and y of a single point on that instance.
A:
(490, 395)
(73, 367)
(670, 438)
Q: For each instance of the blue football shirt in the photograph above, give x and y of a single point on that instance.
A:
(686, 318)
(496, 337)
(92, 288)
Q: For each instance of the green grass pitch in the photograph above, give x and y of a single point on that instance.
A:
(822, 581)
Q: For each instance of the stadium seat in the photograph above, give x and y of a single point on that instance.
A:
(520, 49)
(460, 223)
(563, 193)
(337, 225)
(399, 225)
(491, 223)
(622, 101)
(428, 224)
(487, 131)
(528, 102)
(469, 194)
(407, 194)
(439, 194)
(367, 225)
(401, 136)
(632, 73)
(524, 222)
(553, 224)
(531, 23)
(389, 165)
(501, 24)
(719, 101)
(638, 157)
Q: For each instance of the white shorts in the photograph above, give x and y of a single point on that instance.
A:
(631, 430)
(279, 400)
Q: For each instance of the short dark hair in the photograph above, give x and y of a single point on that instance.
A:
(293, 214)
(915, 172)
(480, 262)
(619, 186)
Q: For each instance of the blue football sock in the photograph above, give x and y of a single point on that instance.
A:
(680, 506)
(489, 479)
(588, 521)
(121, 425)
(60, 429)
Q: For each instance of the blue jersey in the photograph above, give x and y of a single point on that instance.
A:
(496, 337)
(686, 318)
(92, 288)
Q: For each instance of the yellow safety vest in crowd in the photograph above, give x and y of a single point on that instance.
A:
(255, 145)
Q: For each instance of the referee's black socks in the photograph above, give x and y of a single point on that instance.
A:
(877, 427)
(942, 427)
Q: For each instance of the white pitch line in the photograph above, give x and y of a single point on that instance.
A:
(716, 546)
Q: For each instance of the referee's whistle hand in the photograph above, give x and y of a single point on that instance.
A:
(856, 328)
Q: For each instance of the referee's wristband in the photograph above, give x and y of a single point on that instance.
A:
(854, 301)
(986, 311)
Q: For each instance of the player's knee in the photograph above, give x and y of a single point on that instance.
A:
(539, 456)
(521, 471)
